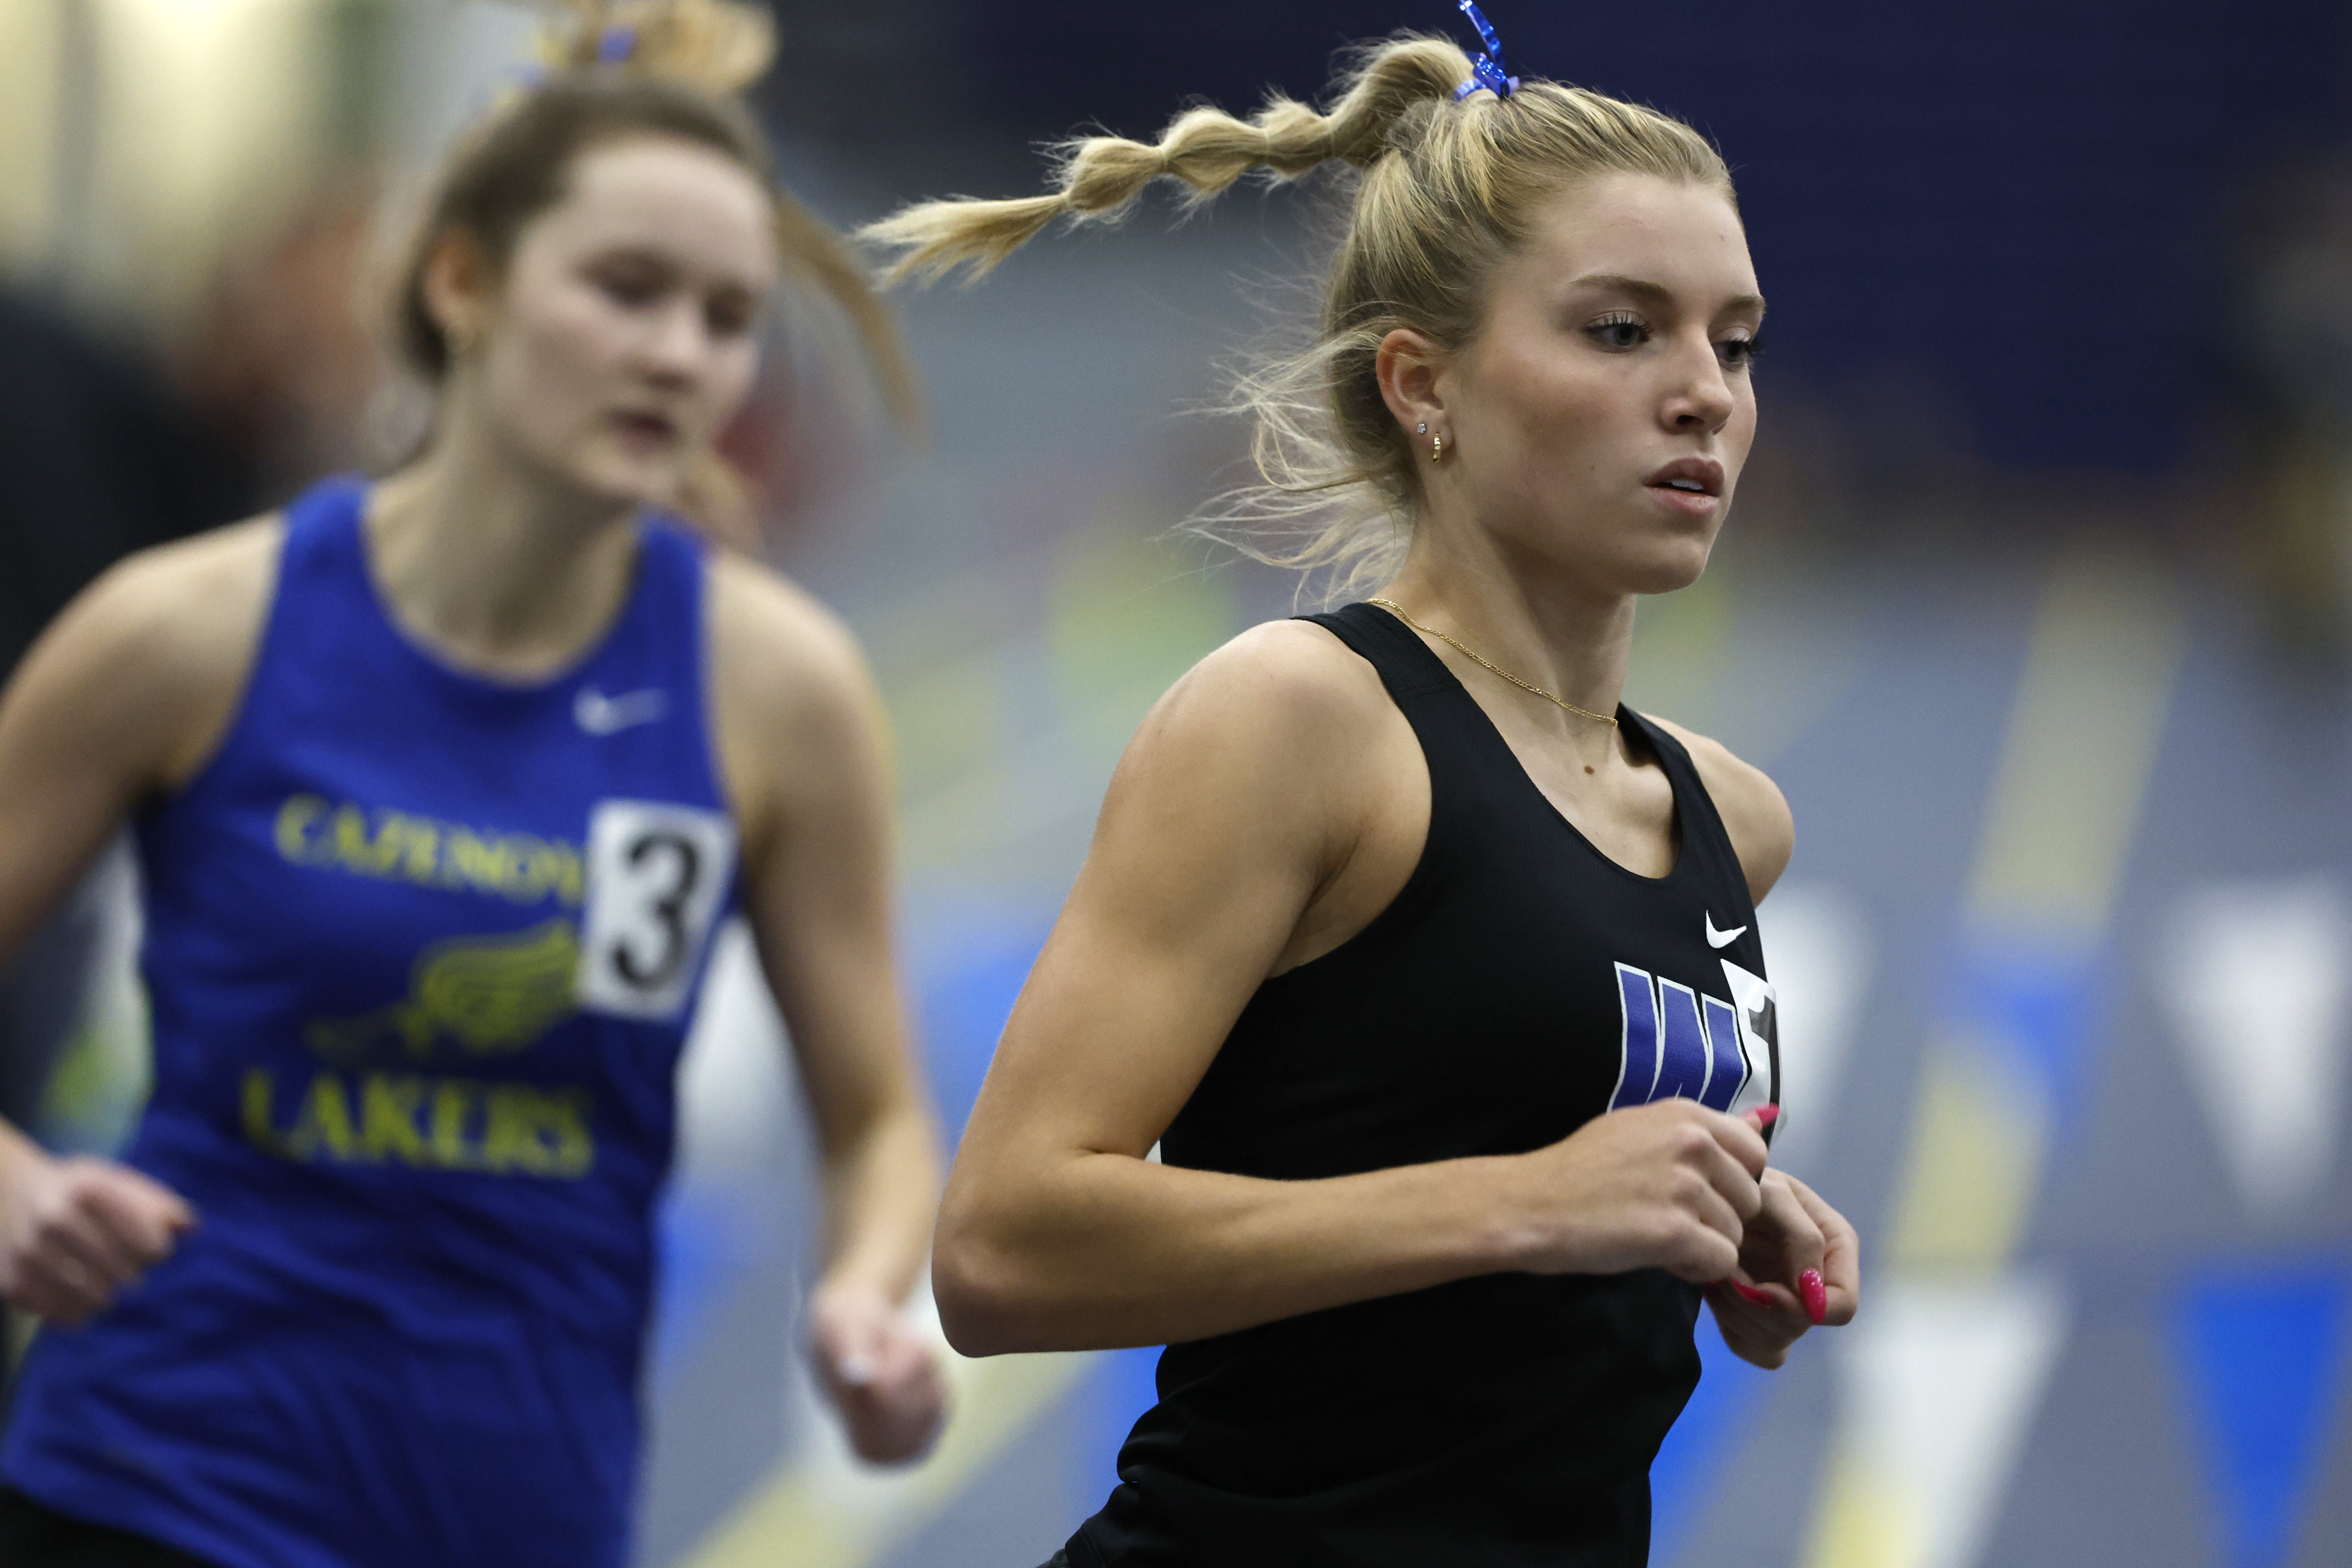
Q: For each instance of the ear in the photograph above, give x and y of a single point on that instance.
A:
(1407, 366)
(459, 290)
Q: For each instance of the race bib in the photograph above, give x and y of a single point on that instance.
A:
(657, 873)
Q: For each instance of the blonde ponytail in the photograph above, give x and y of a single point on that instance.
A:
(1444, 191)
(1098, 177)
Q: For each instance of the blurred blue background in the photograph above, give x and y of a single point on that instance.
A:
(2034, 602)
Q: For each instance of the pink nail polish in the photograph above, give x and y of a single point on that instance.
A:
(1816, 1295)
(1750, 1294)
(1766, 1115)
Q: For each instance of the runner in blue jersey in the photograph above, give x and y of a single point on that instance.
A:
(441, 786)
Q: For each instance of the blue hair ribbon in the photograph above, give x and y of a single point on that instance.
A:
(616, 46)
(1488, 72)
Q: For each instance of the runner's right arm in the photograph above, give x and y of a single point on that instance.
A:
(1236, 810)
(123, 699)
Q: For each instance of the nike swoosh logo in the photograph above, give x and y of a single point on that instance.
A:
(1722, 938)
(601, 715)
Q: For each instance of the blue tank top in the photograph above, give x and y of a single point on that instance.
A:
(421, 951)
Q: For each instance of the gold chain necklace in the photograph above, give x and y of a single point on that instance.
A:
(1488, 663)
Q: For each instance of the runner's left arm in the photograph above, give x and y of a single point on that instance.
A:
(801, 740)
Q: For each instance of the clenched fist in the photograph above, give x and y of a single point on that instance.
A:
(1669, 1185)
(1800, 1267)
(879, 1372)
(75, 1233)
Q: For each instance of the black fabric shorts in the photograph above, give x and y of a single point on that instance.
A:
(32, 1536)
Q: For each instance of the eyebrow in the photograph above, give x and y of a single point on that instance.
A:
(1643, 288)
(635, 251)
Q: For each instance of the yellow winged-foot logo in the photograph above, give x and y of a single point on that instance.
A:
(489, 995)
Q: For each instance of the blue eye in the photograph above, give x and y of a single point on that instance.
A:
(1619, 332)
(1739, 352)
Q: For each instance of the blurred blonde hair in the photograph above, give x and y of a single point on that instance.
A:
(718, 46)
(681, 75)
(1439, 193)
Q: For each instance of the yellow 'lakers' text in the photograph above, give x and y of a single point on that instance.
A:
(398, 847)
(428, 1124)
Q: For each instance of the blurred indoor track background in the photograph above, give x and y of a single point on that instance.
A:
(2034, 601)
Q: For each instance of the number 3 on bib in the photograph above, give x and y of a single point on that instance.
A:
(657, 873)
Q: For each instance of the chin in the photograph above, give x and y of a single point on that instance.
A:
(641, 486)
(1666, 571)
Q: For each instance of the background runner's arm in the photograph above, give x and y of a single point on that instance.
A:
(123, 699)
(1240, 801)
(801, 732)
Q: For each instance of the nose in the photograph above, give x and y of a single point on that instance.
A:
(1701, 400)
(677, 342)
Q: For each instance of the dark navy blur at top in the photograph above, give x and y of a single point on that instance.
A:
(421, 950)
(1519, 985)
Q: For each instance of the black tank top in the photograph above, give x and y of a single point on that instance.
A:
(1520, 984)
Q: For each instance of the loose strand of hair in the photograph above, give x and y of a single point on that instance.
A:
(813, 246)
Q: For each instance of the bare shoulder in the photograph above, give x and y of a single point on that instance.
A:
(1754, 811)
(1271, 738)
(165, 641)
(797, 722)
(774, 647)
(193, 594)
(1290, 682)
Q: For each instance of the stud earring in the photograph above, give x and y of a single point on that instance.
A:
(1421, 428)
